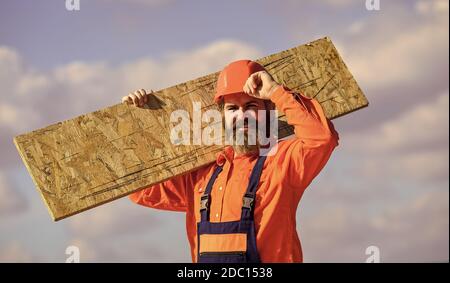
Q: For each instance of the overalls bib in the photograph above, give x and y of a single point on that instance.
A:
(233, 241)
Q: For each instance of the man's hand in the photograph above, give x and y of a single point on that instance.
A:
(260, 85)
(138, 98)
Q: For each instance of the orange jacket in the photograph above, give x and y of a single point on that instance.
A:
(285, 176)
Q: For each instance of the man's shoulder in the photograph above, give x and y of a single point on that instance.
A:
(201, 172)
(280, 148)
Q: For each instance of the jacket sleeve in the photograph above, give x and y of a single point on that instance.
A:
(168, 195)
(315, 137)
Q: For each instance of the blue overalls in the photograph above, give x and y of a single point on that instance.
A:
(243, 228)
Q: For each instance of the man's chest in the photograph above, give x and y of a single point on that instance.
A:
(228, 190)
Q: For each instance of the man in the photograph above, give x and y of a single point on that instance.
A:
(242, 208)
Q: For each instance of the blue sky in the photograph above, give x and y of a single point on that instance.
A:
(124, 30)
(47, 35)
(386, 184)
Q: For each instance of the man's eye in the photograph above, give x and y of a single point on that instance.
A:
(231, 108)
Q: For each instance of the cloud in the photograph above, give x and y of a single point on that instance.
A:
(14, 252)
(389, 50)
(11, 65)
(11, 201)
(386, 185)
(432, 7)
(410, 231)
(427, 167)
(340, 3)
(110, 251)
(37, 98)
(8, 114)
(414, 145)
(398, 55)
(150, 3)
(112, 219)
(355, 28)
(421, 126)
(33, 99)
(143, 234)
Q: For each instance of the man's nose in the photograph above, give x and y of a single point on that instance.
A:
(240, 114)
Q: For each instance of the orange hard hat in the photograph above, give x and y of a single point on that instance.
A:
(233, 77)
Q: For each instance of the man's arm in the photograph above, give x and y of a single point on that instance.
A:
(168, 195)
(303, 157)
(315, 136)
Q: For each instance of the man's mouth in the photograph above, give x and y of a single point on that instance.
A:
(243, 128)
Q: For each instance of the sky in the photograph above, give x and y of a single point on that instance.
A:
(386, 185)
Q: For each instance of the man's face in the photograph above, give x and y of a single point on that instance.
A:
(241, 115)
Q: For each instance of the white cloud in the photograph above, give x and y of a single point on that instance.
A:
(432, 7)
(423, 125)
(33, 99)
(207, 59)
(179, 66)
(356, 27)
(112, 219)
(11, 201)
(426, 166)
(390, 190)
(143, 234)
(407, 58)
(14, 252)
(410, 231)
(109, 250)
(151, 3)
(32, 82)
(342, 3)
(397, 46)
(414, 145)
(11, 63)
(8, 114)
(337, 233)
(36, 99)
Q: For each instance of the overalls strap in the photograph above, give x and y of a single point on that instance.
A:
(205, 200)
(248, 201)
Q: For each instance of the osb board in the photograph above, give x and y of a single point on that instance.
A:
(95, 158)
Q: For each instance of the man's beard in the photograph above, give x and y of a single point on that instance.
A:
(244, 142)
(246, 148)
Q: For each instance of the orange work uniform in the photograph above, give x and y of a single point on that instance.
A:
(284, 178)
